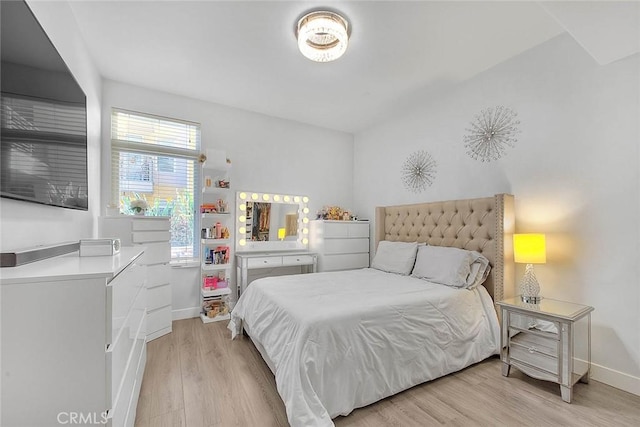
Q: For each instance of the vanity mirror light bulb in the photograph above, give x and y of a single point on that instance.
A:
(305, 220)
(276, 198)
(305, 210)
(242, 207)
(242, 242)
(305, 199)
(242, 230)
(287, 198)
(254, 196)
(305, 241)
(242, 218)
(243, 196)
(265, 197)
(305, 231)
(296, 199)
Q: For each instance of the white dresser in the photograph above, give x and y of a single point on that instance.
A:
(152, 233)
(340, 245)
(73, 340)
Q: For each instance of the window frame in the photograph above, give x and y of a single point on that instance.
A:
(158, 151)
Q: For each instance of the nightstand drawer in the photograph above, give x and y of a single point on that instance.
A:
(536, 351)
(545, 345)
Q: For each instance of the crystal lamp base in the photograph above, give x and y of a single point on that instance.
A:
(529, 287)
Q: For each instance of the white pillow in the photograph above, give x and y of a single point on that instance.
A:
(451, 266)
(395, 257)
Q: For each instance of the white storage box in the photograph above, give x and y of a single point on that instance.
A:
(99, 247)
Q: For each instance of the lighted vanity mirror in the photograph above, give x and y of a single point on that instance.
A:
(268, 222)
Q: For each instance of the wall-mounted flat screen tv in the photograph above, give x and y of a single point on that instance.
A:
(43, 145)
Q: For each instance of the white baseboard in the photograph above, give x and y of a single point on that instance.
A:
(185, 313)
(611, 377)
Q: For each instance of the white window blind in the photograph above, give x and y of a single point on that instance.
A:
(156, 159)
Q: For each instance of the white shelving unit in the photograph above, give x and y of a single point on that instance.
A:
(216, 243)
(214, 298)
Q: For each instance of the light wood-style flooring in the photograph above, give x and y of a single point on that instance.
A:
(197, 376)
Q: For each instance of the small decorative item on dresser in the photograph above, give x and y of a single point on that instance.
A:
(139, 206)
(529, 249)
(335, 213)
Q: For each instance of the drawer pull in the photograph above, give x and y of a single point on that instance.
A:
(532, 349)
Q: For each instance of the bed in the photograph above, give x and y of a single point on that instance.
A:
(337, 341)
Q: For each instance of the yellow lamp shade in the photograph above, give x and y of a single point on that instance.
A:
(281, 233)
(529, 248)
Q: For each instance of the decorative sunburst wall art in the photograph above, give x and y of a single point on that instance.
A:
(418, 171)
(491, 132)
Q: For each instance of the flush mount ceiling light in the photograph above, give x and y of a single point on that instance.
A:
(322, 36)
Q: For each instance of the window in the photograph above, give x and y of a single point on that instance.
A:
(156, 159)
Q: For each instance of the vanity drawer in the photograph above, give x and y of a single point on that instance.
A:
(297, 260)
(535, 350)
(264, 262)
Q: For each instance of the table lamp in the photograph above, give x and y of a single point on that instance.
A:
(529, 249)
(281, 233)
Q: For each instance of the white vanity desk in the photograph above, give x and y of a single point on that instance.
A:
(254, 260)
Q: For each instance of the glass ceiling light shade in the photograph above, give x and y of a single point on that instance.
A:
(322, 36)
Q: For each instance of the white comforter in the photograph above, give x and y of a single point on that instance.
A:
(343, 340)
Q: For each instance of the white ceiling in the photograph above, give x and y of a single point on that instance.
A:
(244, 54)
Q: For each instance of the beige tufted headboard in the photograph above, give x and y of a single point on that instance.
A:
(485, 225)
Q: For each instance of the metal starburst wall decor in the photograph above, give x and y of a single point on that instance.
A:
(491, 132)
(418, 171)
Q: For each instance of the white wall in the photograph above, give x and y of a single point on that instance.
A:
(267, 154)
(573, 171)
(24, 224)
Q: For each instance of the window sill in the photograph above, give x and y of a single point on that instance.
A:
(184, 263)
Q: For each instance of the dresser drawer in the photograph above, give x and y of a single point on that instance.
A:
(120, 352)
(125, 395)
(157, 275)
(150, 225)
(358, 229)
(122, 292)
(345, 230)
(297, 260)
(159, 296)
(535, 350)
(158, 319)
(150, 236)
(275, 261)
(156, 253)
(346, 246)
(343, 262)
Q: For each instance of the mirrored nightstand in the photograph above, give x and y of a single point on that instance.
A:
(549, 341)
